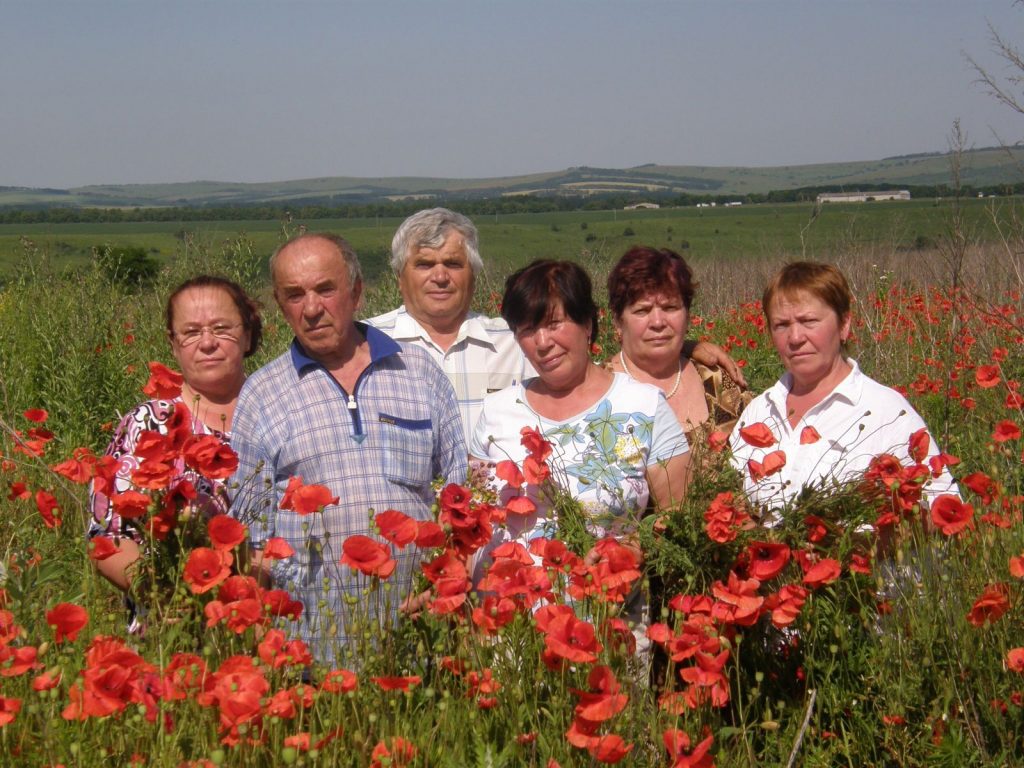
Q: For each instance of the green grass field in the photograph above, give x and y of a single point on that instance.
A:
(705, 234)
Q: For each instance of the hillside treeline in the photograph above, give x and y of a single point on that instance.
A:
(329, 208)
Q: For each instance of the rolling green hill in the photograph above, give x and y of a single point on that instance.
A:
(981, 167)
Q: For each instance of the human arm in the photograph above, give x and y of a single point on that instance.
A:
(118, 567)
(706, 353)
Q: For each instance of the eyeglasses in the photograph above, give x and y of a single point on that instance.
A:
(191, 336)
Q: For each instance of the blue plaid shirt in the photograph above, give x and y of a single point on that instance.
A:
(378, 448)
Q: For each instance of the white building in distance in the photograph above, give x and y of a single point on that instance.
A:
(862, 197)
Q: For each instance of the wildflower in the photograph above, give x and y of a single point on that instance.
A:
(723, 519)
(766, 559)
(429, 535)
(1015, 660)
(66, 620)
(494, 613)
(367, 556)
(277, 549)
(609, 748)
(225, 532)
(570, 638)
(809, 435)
(395, 683)
(1017, 566)
(306, 499)
(785, 604)
(396, 527)
(825, 571)
(395, 754)
(987, 376)
(508, 471)
(340, 681)
(677, 743)
(918, 445)
(990, 606)
(210, 456)
(983, 485)
(206, 568)
(772, 463)
(37, 415)
(47, 505)
(9, 708)
(738, 601)
(717, 441)
(163, 383)
(758, 435)
(130, 505)
(951, 515)
(535, 444)
(1005, 431)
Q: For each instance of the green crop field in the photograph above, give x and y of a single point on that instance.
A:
(514, 239)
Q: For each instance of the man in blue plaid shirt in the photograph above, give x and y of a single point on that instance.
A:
(347, 407)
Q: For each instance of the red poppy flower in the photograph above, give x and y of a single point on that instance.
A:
(66, 620)
(38, 415)
(860, 564)
(277, 549)
(306, 499)
(1017, 566)
(15, 662)
(340, 681)
(130, 505)
(767, 559)
(397, 527)
(723, 518)
(717, 441)
(395, 683)
(206, 568)
(520, 505)
(278, 602)
(225, 532)
(809, 435)
(9, 709)
(757, 435)
(494, 613)
(1015, 660)
(19, 491)
(508, 471)
(534, 443)
(572, 639)
(823, 572)
(772, 463)
(47, 505)
(990, 607)
(447, 565)
(987, 376)
(102, 547)
(785, 604)
(609, 748)
(738, 601)
(429, 535)
(983, 485)
(919, 444)
(395, 754)
(455, 499)
(153, 475)
(536, 471)
(48, 680)
(677, 743)
(163, 384)
(1006, 430)
(210, 456)
(367, 556)
(79, 468)
(951, 515)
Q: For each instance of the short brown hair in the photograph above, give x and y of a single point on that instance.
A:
(247, 307)
(823, 281)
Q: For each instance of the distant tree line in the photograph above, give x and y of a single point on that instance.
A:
(320, 208)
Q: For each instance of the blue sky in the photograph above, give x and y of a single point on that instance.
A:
(249, 90)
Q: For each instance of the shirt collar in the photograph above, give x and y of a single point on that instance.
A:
(848, 389)
(381, 346)
(409, 329)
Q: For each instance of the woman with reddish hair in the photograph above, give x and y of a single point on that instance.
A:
(650, 292)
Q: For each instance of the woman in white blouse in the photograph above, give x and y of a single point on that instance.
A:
(824, 420)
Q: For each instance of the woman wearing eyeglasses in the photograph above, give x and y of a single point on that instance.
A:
(212, 325)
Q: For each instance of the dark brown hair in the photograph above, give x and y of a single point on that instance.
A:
(532, 292)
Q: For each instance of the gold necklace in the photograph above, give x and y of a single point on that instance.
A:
(675, 387)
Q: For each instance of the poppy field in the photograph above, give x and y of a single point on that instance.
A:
(804, 644)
